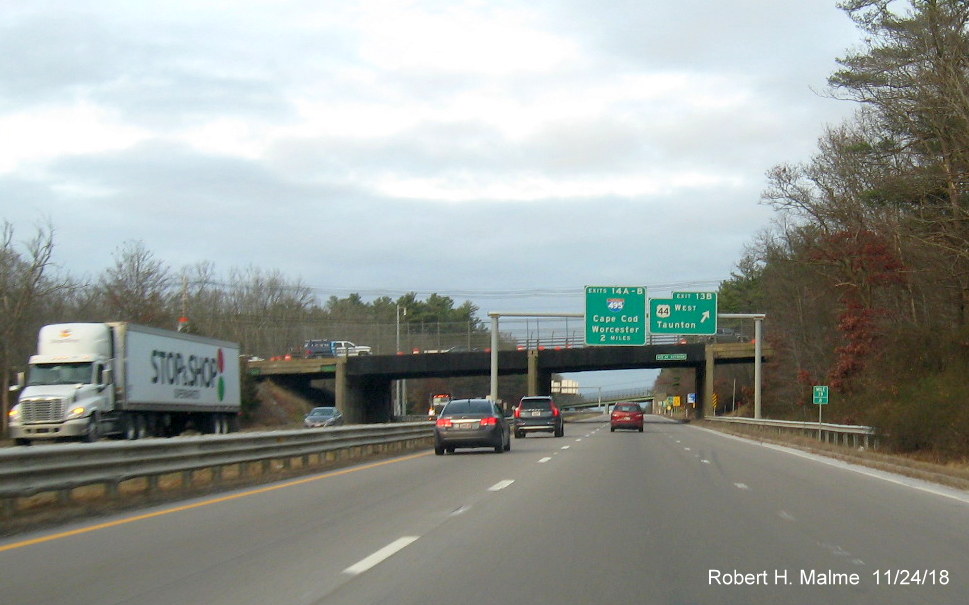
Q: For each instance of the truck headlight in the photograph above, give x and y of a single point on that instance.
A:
(14, 414)
(76, 412)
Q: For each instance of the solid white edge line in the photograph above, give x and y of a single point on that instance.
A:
(384, 553)
(910, 482)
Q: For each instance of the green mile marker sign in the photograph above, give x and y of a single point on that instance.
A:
(820, 395)
(615, 315)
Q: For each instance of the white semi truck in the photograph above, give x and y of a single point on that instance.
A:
(117, 378)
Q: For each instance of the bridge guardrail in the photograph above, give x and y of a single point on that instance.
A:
(26, 471)
(832, 433)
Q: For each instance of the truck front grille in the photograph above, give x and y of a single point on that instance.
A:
(42, 410)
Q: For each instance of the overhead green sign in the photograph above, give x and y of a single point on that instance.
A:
(615, 315)
(684, 313)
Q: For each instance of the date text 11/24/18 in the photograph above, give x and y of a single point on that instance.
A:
(911, 577)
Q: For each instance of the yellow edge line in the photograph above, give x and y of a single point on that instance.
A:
(178, 509)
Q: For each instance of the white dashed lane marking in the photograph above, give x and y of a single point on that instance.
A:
(382, 554)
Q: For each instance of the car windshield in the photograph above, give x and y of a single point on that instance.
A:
(468, 406)
(537, 404)
(627, 407)
(323, 412)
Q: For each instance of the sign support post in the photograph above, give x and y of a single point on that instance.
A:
(820, 400)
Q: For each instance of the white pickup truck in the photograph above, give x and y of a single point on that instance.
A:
(345, 348)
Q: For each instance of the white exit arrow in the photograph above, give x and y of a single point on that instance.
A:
(705, 316)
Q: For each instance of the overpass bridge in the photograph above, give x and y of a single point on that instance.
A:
(363, 385)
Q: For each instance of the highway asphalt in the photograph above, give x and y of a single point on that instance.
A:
(674, 515)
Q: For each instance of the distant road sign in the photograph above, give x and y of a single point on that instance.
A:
(615, 315)
(820, 395)
(684, 313)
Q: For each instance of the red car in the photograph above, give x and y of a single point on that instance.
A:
(626, 416)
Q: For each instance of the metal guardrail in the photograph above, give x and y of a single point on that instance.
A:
(831, 433)
(26, 471)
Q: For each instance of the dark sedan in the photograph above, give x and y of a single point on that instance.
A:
(471, 423)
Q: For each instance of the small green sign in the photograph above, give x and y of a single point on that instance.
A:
(820, 395)
(615, 315)
(684, 313)
(671, 357)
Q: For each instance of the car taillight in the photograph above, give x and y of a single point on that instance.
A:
(444, 422)
(518, 412)
(489, 421)
(555, 411)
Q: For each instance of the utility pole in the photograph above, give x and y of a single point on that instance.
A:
(401, 384)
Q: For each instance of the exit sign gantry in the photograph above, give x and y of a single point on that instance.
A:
(615, 315)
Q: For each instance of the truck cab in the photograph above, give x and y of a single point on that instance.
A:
(68, 384)
(437, 403)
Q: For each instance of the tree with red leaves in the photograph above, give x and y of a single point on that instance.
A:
(860, 263)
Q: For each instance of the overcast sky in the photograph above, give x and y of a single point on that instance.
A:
(503, 152)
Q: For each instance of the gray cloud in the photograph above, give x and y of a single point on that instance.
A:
(267, 134)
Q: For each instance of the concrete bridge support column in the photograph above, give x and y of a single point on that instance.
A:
(340, 389)
(539, 381)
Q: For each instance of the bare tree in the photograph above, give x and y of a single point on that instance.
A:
(22, 285)
(138, 288)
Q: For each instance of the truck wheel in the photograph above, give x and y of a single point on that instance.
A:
(216, 424)
(92, 431)
(151, 425)
(141, 426)
(131, 427)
